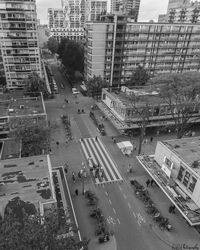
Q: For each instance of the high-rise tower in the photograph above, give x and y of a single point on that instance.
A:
(19, 41)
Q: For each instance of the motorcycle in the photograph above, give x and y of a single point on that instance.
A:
(165, 225)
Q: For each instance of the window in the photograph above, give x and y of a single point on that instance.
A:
(167, 162)
(192, 184)
(180, 173)
(186, 179)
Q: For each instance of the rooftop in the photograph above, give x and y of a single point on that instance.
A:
(143, 96)
(21, 106)
(188, 149)
(28, 178)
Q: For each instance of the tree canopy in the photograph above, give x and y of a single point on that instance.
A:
(35, 84)
(52, 45)
(72, 55)
(181, 92)
(139, 78)
(28, 230)
(95, 85)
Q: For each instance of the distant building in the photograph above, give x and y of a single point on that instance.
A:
(187, 13)
(15, 112)
(123, 113)
(43, 35)
(162, 18)
(18, 41)
(175, 4)
(175, 167)
(94, 9)
(115, 46)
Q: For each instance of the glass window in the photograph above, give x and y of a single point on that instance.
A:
(192, 184)
(180, 173)
(186, 179)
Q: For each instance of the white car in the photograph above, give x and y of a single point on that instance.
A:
(75, 91)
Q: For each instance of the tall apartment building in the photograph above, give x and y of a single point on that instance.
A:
(19, 40)
(175, 4)
(128, 7)
(114, 48)
(94, 9)
(186, 13)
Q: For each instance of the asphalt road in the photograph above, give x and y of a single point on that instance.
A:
(125, 214)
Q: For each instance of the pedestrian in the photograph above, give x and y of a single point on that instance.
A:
(170, 209)
(152, 182)
(158, 132)
(76, 192)
(73, 177)
(79, 174)
(147, 182)
(57, 143)
(173, 209)
(114, 140)
(96, 138)
(151, 139)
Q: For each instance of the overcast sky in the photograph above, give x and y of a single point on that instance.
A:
(149, 9)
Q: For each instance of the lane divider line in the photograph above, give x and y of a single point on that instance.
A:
(124, 196)
(110, 201)
(129, 205)
(118, 221)
(114, 210)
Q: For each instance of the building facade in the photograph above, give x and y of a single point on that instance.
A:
(94, 9)
(187, 13)
(19, 41)
(115, 46)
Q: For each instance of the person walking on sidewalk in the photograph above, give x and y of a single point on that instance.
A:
(76, 192)
(73, 177)
(147, 182)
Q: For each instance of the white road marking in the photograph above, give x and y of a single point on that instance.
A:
(120, 188)
(106, 193)
(134, 214)
(129, 205)
(118, 220)
(110, 201)
(114, 211)
(124, 196)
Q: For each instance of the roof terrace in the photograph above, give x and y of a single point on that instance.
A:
(28, 178)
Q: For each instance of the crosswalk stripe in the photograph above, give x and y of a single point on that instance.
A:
(96, 149)
(110, 160)
(105, 162)
(96, 155)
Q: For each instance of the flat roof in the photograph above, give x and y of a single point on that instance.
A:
(29, 178)
(125, 99)
(22, 106)
(188, 149)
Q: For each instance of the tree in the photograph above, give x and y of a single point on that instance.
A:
(142, 110)
(72, 55)
(34, 84)
(95, 85)
(31, 231)
(181, 92)
(139, 78)
(52, 45)
(34, 138)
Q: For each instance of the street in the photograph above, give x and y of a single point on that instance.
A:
(133, 228)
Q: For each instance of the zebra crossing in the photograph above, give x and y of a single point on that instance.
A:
(94, 149)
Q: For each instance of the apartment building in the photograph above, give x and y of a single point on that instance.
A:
(19, 41)
(115, 46)
(94, 9)
(186, 13)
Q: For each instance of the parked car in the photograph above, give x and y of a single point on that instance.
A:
(75, 91)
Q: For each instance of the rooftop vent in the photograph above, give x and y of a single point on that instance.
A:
(11, 110)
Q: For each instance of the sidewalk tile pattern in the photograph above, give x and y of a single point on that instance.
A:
(93, 148)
